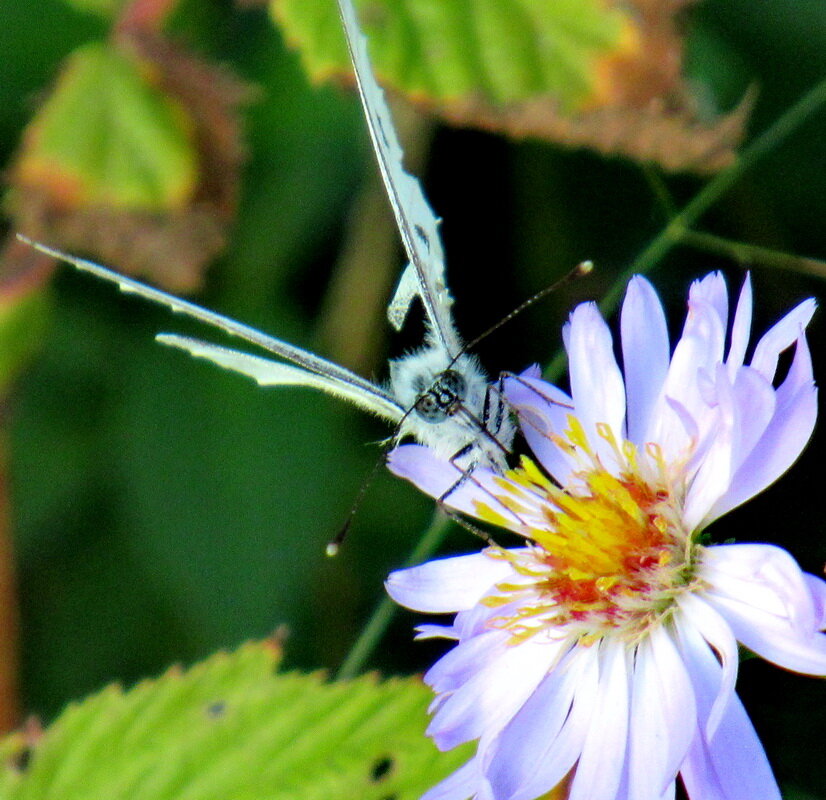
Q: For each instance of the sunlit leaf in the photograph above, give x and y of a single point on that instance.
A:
(133, 157)
(106, 136)
(105, 8)
(233, 728)
(504, 51)
(588, 73)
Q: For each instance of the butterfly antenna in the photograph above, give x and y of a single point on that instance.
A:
(579, 271)
(334, 545)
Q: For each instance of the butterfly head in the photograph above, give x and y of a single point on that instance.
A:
(443, 398)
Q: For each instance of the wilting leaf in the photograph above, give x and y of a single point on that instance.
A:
(592, 73)
(134, 159)
(24, 307)
(232, 728)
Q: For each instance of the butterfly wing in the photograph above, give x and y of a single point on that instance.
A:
(418, 225)
(311, 370)
(267, 372)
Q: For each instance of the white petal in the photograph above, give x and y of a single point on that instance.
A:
(780, 337)
(763, 576)
(773, 637)
(543, 410)
(713, 291)
(731, 764)
(645, 354)
(447, 584)
(491, 696)
(699, 616)
(817, 586)
(706, 322)
(601, 764)
(800, 373)
(435, 632)
(740, 329)
(697, 353)
(460, 785)
(779, 447)
(714, 467)
(596, 382)
(542, 742)
(440, 478)
(754, 407)
(464, 661)
(662, 717)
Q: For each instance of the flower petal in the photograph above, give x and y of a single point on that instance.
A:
(763, 576)
(817, 586)
(780, 337)
(600, 767)
(444, 480)
(459, 785)
(596, 382)
(712, 291)
(712, 629)
(543, 410)
(461, 663)
(541, 743)
(778, 448)
(435, 632)
(447, 584)
(730, 764)
(662, 708)
(490, 697)
(645, 354)
(740, 329)
(755, 406)
(772, 637)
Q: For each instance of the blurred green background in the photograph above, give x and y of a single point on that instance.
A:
(163, 509)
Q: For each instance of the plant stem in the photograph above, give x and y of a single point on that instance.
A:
(745, 254)
(386, 608)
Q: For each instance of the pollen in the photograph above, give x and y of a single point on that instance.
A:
(608, 553)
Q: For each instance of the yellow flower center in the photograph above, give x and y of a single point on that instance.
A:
(608, 553)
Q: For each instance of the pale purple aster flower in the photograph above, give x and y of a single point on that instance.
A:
(604, 651)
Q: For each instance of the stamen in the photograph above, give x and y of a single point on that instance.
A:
(608, 554)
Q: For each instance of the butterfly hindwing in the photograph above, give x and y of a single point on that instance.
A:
(267, 372)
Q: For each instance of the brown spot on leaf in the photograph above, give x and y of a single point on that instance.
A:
(670, 135)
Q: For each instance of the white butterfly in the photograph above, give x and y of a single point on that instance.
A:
(437, 394)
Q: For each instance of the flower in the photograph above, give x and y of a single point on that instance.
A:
(604, 650)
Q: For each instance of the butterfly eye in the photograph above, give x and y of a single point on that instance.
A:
(443, 398)
(451, 382)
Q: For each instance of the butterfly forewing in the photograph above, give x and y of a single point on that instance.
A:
(418, 225)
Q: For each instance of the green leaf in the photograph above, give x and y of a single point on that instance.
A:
(443, 50)
(233, 729)
(24, 314)
(104, 8)
(107, 136)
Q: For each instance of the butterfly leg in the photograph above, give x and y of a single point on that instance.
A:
(494, 407)
(519, 379)
(466, 475)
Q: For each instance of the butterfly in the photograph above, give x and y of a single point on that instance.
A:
(437, 394)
